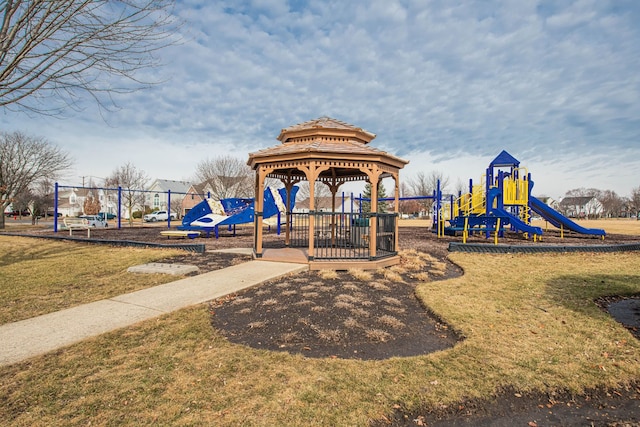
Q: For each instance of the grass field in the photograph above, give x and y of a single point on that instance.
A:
(629, 226)
(529, 323)
(41, 276)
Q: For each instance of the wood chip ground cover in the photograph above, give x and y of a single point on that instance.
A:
(361, 315)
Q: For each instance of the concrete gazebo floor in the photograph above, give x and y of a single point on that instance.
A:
(300, 256)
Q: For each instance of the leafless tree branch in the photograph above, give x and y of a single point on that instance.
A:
(133, 182)
(24, 162)
(56, 50)
(227, 177)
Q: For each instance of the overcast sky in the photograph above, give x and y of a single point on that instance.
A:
(445, 84)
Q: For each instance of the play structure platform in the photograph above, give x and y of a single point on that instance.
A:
(502, 202)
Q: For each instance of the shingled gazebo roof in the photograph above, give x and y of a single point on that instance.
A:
(325, 139)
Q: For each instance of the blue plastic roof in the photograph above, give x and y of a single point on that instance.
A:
(504, 159)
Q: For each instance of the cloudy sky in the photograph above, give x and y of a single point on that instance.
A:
(445, 84)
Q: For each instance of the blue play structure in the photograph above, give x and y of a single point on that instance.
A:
(210, 214)
(502, 202)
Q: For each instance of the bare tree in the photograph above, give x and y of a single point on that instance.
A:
(58, 49)
(418, 185)
(321, 192)
(461, 187)
(405, 206)
(176, 204)
(22, 201)
(584, 192)
(25, 162)
(133, 182)
(635, 201)
(612, 204)
(424, 185)
(227, 176)
(42, 199)
(37, 199)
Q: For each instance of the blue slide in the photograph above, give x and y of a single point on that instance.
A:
(516, 222)
(558, 220)
(233, 211)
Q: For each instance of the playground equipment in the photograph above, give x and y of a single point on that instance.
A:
(210, 214)
(503, 201)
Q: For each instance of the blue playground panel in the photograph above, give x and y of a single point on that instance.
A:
(238, 211)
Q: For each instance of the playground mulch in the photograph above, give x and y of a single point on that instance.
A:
(351, 314)
(348, 315)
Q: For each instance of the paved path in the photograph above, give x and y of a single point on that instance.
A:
(39, 335)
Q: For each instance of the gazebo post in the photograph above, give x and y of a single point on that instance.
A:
(396, 210)
(255, 222)
(373, 219)
(334, 190)
(259, 210)
(311, 177)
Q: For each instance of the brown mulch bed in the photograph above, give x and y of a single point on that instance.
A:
(599, 407)
(363, 315)
(379, 317)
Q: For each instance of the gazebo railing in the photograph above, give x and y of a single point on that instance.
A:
(299, 231)
(340, 235)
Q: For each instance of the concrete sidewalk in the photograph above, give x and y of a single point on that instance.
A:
(39, 335)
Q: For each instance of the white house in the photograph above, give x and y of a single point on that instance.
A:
(71, 200)
(581, 207)
(156, 196)
(550, 201)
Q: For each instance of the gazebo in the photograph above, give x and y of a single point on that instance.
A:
(332, 152)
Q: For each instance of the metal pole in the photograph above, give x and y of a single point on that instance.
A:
(278, 226)
(168, 208)
(119, 207)
(55, 208)
(438, 201)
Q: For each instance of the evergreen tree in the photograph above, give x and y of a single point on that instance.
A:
(366, 205)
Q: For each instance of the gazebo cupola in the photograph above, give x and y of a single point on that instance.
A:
(332, 152)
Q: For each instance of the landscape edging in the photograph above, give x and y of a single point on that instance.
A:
(505, 249)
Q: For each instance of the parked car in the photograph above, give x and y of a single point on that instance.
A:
(16, 213)
(108, 214)
(95, 221)
(158, 216)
